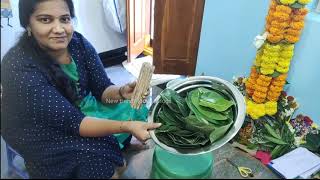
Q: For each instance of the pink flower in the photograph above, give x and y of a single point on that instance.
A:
(307, 120)
(264, 157)
(290, 98)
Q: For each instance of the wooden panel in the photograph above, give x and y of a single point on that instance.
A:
(138, 19)
(177, 34)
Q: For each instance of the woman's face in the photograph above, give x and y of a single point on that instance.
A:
(51, 25)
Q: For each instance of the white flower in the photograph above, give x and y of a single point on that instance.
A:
(259, 40)
(298, 140)
(288, 112)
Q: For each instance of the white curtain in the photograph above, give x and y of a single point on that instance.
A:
(115, 13)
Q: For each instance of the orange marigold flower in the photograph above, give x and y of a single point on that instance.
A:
(293, 32)
(276, 31)
(278, 83)
(298, 18)
(302, 11)
(253, 70)
(279, 25)
(251, 80)
(273, 4)
(249, 86)
(258, 100)
(274, 38)
(297, 25)
(281, 16)
(257, 87)
(263, 83)
(270, 19)
(274, 94)
(254, 74)
(265, 78)
(292, 39)
(282, 8)
(275, 88)
(250, 92)
(282, 77)
(259, 94)
(271, 98)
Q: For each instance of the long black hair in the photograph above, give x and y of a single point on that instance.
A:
(47, 63)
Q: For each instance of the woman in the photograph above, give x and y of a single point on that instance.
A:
(53, 82)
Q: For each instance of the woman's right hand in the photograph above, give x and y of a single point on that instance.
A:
(140, 129)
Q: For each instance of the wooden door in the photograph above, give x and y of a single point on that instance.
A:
(138, 25)
(177, 27)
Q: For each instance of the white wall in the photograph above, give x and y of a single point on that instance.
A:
(91, 22)
(9, 35)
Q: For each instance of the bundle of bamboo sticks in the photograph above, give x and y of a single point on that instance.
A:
(142, 85)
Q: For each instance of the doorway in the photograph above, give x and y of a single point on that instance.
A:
(169, 30)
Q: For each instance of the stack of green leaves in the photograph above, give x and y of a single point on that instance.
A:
(201, 118)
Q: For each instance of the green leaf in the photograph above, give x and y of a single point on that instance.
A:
(297, 5)
(175, 102)
(313, 142)
(252, 146)
(167, 97)
(214, 100)
(167, 128)
(258, 69)
(219, 132)
(164, 119)
(194, 98)
(193, 124)
(275, 74)
(271, 131)
(195, 111)
(275, 152)
(181, 103)
(274, 140)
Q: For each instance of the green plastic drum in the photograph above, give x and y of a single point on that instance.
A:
(171, 166)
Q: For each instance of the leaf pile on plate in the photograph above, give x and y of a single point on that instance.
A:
(201, 118)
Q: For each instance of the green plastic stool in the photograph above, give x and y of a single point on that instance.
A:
(171, 166)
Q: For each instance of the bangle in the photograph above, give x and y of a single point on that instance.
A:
(120, 93)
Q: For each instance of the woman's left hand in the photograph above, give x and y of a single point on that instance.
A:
(127, 91)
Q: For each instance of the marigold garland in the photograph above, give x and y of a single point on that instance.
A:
(273, 58)
(256, 110)
(284, 23)
(290, 2)
(268, 75)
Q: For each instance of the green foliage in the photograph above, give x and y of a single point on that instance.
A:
(273, 136)
(313, 142)
(202, 117)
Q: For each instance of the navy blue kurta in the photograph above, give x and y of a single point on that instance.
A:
(43, 126)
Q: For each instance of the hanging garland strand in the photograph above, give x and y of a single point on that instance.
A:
(284, 24)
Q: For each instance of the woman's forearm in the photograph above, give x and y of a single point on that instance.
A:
(93, 127)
